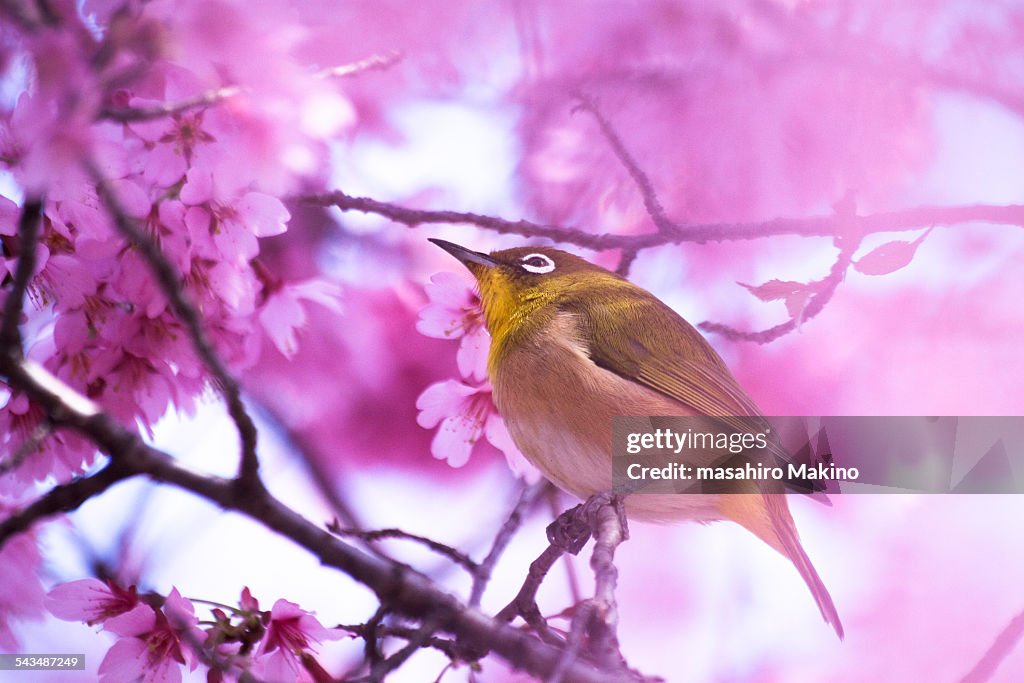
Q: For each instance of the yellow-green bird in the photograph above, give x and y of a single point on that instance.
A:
(572, 346)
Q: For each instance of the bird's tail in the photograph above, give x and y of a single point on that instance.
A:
(767, 516)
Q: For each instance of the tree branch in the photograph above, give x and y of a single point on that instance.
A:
(170, 284)
(813, 226)
(62, 498)
(217, 95)
(826, 288)
(27, 447)
(654, 208)
(482, 575)
(28, 238)
(402, 589)
(156, 111)
(370, 536)
(1003, 646)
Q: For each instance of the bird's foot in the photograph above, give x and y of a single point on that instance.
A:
(574, 527)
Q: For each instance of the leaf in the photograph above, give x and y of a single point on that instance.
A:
(774, 289)
(797, 302)
(889, 257)
(795, 294)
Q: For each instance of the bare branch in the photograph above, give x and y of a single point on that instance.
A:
(403, 590)
(525, 602)
(448, 647)
(609, 532)
(1003, 646)
(654, 208)
(371, 536)
(170, 285)
(62, 498)
(826, 287)
(813, 226)
(417, 640)
(322, 477)
(28, 238)
(27, 447)
(574, 643)
(371, 63)
(217, 95)
(156, 111)
(527, 497)
(626, 261)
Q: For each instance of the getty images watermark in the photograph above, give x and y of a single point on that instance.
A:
(818, 454)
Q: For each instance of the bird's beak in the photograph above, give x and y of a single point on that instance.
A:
(471, 259)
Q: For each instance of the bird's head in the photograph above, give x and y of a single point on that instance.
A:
(517, 283)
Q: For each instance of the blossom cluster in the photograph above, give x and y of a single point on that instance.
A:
(158, 635)
(203, 182)
(187, 121)
(463, 410)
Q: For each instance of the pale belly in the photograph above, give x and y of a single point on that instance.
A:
(561, 419)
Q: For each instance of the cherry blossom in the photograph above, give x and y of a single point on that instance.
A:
(97, 602)
(282, 314)
(742, 116)
(154, 643)
(462, 414)
(21, 594)
(291, 634)
(454, 313)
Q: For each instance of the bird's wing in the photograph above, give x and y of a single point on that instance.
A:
(645, 341)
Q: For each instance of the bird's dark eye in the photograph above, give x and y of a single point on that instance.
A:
(537, 263)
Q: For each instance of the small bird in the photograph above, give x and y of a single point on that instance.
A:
(572, 346)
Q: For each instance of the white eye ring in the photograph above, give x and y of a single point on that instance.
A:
(546, 267)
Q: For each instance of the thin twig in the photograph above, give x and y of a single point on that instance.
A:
(574, 642)
(217, 95)
(482, 575)
(573, 581)
(610, 531)
(170, 285)
(156, 111)
(320, 474)
(371, 63)
(28, 238)
(826, 287)
(417, 640)
(597, 618)
(62, 498)
(27, 447)
(654, 208)
(444, 645)
(371, 636)
(456, 556)
(986, 667)
(524, 604)
(626, 260)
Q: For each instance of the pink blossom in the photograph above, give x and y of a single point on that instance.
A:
(465, 414)
(91, 600)
(291, 632)
(154, 643)
(282, 313)
(454, 313)
(50, 127)
(234, 224)
(61, 455)
(21, 594)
